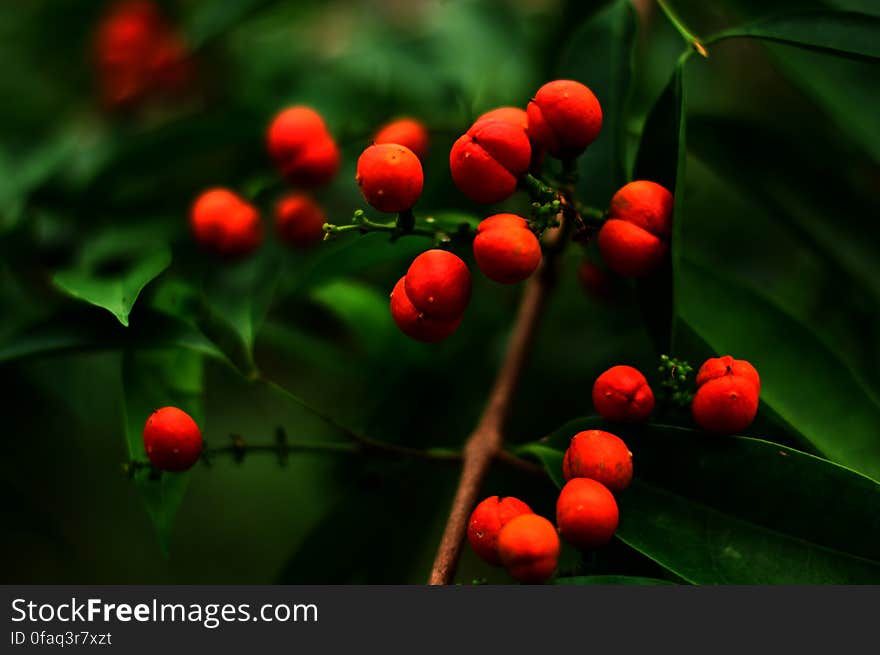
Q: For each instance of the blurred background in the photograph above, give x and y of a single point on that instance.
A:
(95, 188)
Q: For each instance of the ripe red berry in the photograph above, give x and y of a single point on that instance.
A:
(506, 250)
(564, 118)
(586, 513)
(528, 547)
(414, 323)
(487, 161)
(302, 147)
(406, 132)
(299, 220)
(596, 281)
(390, 177)
(512, 115)
(225, 223)
(486, 522)
(439, 284)
(600, 456)
(726, 401)
(172, 440)
(635, 238)
(622, 394)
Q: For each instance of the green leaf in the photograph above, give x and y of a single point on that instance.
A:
(661, 158)
(600, 54)
(363, 309)
(154, 379)
(802, 380)
(842, 33)
(737, 510)
(583, 580)
(116, 293)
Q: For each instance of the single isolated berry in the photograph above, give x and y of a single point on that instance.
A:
(486, 522)
(302, 148)
(600, 456)
(413, 323)
(172, 440)
(726, 401)
(528, 547)
(390, 177)
(438, 283)
(506, 250)
(586, 513)
(635, 239)
(622, 394)
(564, 118)
(299, 220)
(488, 160)
(225, 224)
(407, 132)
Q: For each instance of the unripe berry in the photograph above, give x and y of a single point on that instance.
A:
(600, 456)
(564, 118)
(390, 177)
(726, 401)
(622, 394)
(225, 223)
(414, 323)
(634, 240)
(439, 284)
(528, 547)
(487, 161)
(299, 220)
(506, 250)
(586, 513)
(486, 522)
(172, 440)
(302, 148)
(406, 132)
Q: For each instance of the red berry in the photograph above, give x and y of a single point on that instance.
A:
(488, 160)
(414, 323)
(506, 250)
(390, 177)
(717, 367)
(486, 522)
(528, 547)
(622, 394)
(600, 456)
(172, 440)
(225, 223)
(596, 281)
(564, 118)
(586, 513)
(302, 148)
(512, 115)
(406, 132)
(299, 220)
(439, 284)
(634, 240)
(726, 401)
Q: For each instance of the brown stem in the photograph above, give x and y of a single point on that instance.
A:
(484, 445)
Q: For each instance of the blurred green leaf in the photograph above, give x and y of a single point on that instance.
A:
(802, 380)
(363, 310)
(116, 292)
(749, 511)
(847, 34)
(661, 158)
(600, 54)
(582, 580)
(151, 380)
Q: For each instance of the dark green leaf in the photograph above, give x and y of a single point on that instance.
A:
(802, 380)
(661, 158)
(848, 34)
(737, 510)
(610, 580)
(116, 293)
(154, 379)
(363, 309)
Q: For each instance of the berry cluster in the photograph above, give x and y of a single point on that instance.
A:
(139, 56)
